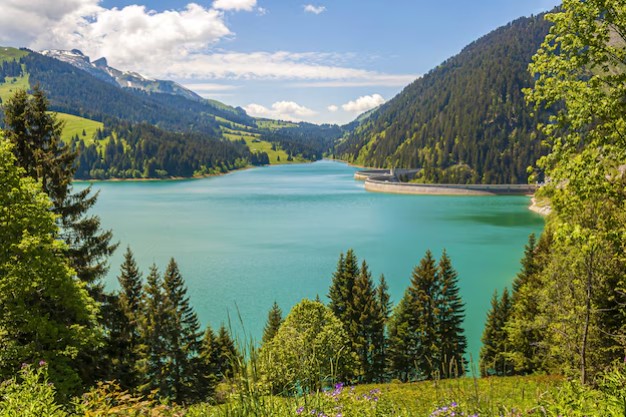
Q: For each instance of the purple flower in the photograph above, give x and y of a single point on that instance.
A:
(42, 363)
(299, 410)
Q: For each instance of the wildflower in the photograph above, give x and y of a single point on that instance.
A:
(299, 410)
(42, 363)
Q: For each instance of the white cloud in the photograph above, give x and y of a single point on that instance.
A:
(332, 108)
(364, 103)
(375, 79)
(309, 8)
(283, 110)
(208, 87)
(307, 67)
(134, 37)
(23, 21)
(247, 5)
(172, 43)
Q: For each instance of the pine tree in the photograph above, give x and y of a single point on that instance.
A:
(451, 312)
(130, 304)
(529, 266)
(494, 352)
(227, 355)
(425, 333)
(45, 314)
(381, 342)
(422, 293)
(36, 135)
(341, 292)
(274, 320)
(181, 332)
(209, 364)
(368, 324)
(153, 350)
(402, 346)
(525, 331)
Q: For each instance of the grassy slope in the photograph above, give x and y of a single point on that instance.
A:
(11, 85)
(74, 125)
(11, 54)
(257, 145)
(488, 397)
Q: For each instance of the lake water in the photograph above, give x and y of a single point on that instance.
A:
(251, 237)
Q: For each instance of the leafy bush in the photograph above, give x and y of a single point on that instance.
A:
(29, 394)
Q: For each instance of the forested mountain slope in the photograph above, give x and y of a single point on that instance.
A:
(464, 121)
(146, 129)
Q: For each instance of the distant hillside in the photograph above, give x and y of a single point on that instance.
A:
(466, 120)
(210, 136)
(125, 79)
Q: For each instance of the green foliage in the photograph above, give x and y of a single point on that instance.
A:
(430, 311)
(575, 400)
(52, 318)
(308, 352)
(125, 341)
(181, 335)
(153, 348)
(78, 126)
(581, 67)
(29, 394)
(356, 302)
(466, 120)
(368, 327)
(524, 328)
(450, 316)
(36, 135)
(274, 320)
(495, 349)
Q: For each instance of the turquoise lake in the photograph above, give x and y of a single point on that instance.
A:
(248, 238)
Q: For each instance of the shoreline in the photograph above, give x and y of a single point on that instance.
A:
(378, 181)
(177, 179)
(541, 209)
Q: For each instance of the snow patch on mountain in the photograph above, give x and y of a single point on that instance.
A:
(125, 79)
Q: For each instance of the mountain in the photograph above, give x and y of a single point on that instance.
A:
(464, 121)
(125, 79)
(153, 132)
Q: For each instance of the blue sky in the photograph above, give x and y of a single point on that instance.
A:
(319, 61)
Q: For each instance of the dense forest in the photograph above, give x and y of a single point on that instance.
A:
(159, 135)
(465, 121)
(145, 151)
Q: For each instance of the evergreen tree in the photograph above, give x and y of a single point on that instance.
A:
(151, 367)
(494, 352)
(381, 343)
(368, 326)
(36, 135)
(529, 267)
(181, 332)
(451, 312)
(422, 295)
(45, 314)
(525, 331)
(130, 304)
(425, 333)
(341, 293)
(227, 355)
(209, 364)
(402, 346)
(274, 320)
